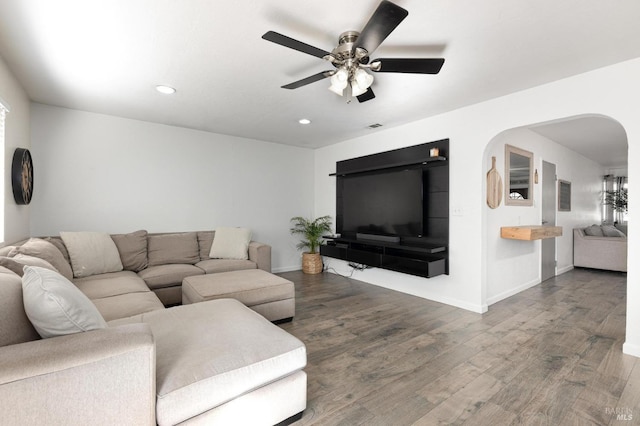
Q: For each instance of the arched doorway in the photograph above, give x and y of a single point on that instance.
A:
(584, 149)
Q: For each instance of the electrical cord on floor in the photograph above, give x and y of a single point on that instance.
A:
(358, 266)
(354, 267)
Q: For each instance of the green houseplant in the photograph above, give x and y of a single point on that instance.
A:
(616, 199)
(312, 232)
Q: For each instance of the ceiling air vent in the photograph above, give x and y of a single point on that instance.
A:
(373, 126)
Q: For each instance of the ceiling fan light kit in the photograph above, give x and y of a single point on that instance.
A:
(351, 56)
(339, 81)
(360, 82)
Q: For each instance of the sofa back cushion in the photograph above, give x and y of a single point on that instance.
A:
(173, 248)
(612, 231)
(38, 247)
(133, 250)
(57, 241)
(15, 326)
(603, 231)
(231, 243)
(17, 263)
(593, 231)
(205, 240)
(91, 253)
(6, 250)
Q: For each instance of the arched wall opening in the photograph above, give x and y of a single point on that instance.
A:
(512, 266)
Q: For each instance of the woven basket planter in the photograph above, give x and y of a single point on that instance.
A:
(311, 263)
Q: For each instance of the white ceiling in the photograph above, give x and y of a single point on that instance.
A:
(600, 139)
(106, 56)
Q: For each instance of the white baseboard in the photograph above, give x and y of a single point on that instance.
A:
(561, 271)
(479, 309)
(511, 292)
(286, 269)
(629, 349)
(335, 269)
(523, 287)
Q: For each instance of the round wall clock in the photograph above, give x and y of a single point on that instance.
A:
(22, 176)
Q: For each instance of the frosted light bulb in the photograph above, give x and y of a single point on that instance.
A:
(339, 81)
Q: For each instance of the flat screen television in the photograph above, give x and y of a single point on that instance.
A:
(387, 203)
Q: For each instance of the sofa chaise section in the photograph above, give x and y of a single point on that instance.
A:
(210, 354)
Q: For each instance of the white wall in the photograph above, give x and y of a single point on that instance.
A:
(107, 162)
(513, 266)
(605, 91)
(16, 218)
(104, 173)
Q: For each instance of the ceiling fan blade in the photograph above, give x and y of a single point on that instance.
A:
(291, 43)
(383, 21)
(366, 96)
(309, 80)
(408, 65)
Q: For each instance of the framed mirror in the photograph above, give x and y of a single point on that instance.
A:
(519, 179)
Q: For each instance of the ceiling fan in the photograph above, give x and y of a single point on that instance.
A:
(351, 56)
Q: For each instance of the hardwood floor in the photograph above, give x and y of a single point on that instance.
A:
(549, 355)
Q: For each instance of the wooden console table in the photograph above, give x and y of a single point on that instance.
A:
(530, 232)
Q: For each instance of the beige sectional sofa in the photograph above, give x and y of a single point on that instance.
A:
(163, 260)
(210, 362)
(600, 247)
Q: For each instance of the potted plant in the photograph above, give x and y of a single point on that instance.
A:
(616, 199)
(312, 232)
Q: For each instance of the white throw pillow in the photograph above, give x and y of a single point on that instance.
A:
(55, 306)
(231, 243)
(91, 253)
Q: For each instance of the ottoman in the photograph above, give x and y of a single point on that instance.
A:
(271, 296)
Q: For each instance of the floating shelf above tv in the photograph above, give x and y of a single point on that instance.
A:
(408, 162)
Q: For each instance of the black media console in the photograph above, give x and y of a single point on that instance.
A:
(425, 254)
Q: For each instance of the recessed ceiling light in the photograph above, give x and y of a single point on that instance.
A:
(304, 121)
(167, 90)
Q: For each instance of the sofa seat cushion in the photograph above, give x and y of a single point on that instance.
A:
(212, 352)
(214, 266)
(111, 284)
(168, 275)
(127, 305)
